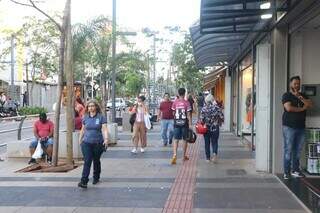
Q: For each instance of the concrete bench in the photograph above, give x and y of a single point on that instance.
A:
(20, 149)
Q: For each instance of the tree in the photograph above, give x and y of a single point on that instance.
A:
(189, 75)
(63, 29)
(41, 39)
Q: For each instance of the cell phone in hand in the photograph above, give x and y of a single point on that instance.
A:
(104, 147)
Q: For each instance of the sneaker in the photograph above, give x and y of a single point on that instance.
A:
(208, 161)
(214, 158)
(95, 181)
(174, 160)
(32, 160)
(134, 151)
(298, 174)
(185, 158)
(49, 160)
(82, 185)
(286, 176)
(142, 150)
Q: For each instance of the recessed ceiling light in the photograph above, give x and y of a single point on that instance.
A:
(265, 5)
(266, 16)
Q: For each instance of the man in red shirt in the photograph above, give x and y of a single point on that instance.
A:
(43, 131)
(182, 122)
(166, 117)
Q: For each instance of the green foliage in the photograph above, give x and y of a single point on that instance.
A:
(31, 110)
(189, 75)
(134, 83)
(41, 39)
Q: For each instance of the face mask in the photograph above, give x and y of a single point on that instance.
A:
(140, 104)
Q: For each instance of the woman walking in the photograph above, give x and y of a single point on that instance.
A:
(93, 140)
(212, 116)
(139, 127)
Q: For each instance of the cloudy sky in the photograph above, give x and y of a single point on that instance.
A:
(132, 15)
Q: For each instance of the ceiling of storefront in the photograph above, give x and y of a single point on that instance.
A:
(224, 25)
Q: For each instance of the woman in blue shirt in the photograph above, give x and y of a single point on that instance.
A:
(93, 140)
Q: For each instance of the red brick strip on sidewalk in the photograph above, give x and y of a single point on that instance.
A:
(180, 198)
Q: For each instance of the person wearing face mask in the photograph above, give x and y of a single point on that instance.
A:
(43, 132)
(293, 125)
(139, 126)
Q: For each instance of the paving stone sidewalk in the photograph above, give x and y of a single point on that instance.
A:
(146, 182)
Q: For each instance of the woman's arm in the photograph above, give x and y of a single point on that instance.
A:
(81, 134)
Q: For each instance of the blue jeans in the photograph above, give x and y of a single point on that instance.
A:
(34, 143)
(293, 144)
(166, 129)
(211, 137)
(91, 152)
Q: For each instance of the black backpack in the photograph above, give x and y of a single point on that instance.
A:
(180, 118)
(190, 136)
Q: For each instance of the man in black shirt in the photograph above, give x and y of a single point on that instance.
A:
(293, 121)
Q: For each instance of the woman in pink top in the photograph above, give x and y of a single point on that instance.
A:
(79, 107)
(139, 127)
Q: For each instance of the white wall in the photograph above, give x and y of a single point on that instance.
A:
(305, 61)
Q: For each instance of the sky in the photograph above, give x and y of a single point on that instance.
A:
(132, 15)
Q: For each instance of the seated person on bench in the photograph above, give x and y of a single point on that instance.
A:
(43, 131)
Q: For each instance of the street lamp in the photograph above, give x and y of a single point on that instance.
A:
(113, 64)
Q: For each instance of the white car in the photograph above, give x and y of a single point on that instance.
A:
(120, 104)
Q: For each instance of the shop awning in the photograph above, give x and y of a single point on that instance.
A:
(223, 27)
(211, 78)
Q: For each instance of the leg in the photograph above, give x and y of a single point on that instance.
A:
(135, 137)
(288, 136)
(177, 137)
(297, 148)
(143, 135)
(49, 147)
(207, 144)
(33, 146)
(185, 143)
(87, 152)
(214, 142)
(164, 129)
(170, 129)
(97, 152)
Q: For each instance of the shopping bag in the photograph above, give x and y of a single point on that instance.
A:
(38, 153)
(201, 128)
(147, 121)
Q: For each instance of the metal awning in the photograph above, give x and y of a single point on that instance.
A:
(224, 25)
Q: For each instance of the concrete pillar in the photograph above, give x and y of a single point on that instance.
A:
(279, 39)
(227, 104)
(113, 133)
(126, 126)
(263, 117)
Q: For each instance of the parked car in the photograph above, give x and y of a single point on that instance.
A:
(120, 104)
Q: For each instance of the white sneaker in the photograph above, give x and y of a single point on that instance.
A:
(134, 151)
(142, 150)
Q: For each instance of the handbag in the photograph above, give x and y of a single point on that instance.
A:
(201, 128)
(147, 121)
(132, 118)
(190, 136)
(38, 152)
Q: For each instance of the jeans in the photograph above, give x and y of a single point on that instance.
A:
(211, 137)
(166, 129)
(293, 143)
(91, 152)
(34, 143)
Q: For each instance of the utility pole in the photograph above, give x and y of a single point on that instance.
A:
(113, 80)
(148, 81)
(154, 72)
(11, 88)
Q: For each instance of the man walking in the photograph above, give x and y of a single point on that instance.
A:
(166, 116)
(182, 121)
(293, 121)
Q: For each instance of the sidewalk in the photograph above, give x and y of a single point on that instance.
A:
(146, 182)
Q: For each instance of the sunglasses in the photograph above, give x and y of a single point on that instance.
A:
(91, 105)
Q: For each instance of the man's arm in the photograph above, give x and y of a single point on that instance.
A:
(290, 108)
(105, 134)
(35, 132)
(189, 119)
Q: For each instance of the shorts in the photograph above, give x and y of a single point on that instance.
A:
(34, 143)
(179, 133)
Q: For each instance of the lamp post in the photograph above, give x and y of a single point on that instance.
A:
(113, 78)
(113, 63)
